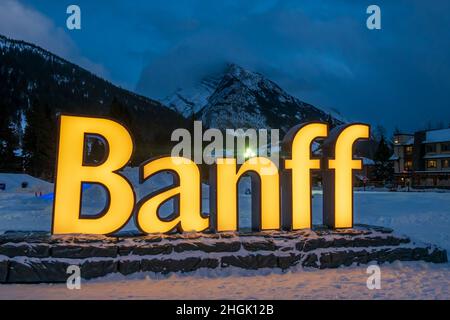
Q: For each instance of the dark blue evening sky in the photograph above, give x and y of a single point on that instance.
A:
(318, 50)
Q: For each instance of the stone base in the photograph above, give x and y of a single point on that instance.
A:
(34, 257)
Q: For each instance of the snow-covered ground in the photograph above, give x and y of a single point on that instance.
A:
(418, 280)
(424, 216)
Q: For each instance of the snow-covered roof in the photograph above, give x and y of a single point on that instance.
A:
(433, 171)
(367, 161)
(437, 156)
(407, 142)
(394, 157)
(435, 136)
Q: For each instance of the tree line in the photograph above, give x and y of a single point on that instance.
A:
(34, 151)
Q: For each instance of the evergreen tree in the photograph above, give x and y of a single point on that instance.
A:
(9, 162)
(379, 133)
(39, 141)
(330, 121)
(121, 113)
(383, 167)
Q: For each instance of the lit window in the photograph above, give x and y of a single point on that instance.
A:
(409, 150)
(446, 163)
(408, 165)
(431, 164)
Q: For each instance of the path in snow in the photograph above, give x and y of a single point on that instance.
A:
(411, 280)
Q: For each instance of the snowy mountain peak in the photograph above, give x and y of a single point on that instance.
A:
(239, 98)
(255, 81)
(252, 80)
(189, 101)
(245, 99)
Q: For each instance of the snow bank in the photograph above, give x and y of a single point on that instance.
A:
(14, 183)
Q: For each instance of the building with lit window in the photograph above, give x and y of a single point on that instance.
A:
(422, 159)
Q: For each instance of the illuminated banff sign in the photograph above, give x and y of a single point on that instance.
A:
(281, 197)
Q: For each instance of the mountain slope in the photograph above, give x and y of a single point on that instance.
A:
(189, 101)
(244, 99)
(29, 73)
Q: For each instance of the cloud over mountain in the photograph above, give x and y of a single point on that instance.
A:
(23, 22)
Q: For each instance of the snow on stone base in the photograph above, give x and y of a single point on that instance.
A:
(37, 257)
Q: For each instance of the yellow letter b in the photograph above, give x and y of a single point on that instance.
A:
(72, 173)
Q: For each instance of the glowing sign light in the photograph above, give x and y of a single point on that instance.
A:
(265, 196)
(72, 172)
(187, 189)
(298, 206)
(274, 204)
(338, 181)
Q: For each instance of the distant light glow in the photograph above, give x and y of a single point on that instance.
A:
(249, 153)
